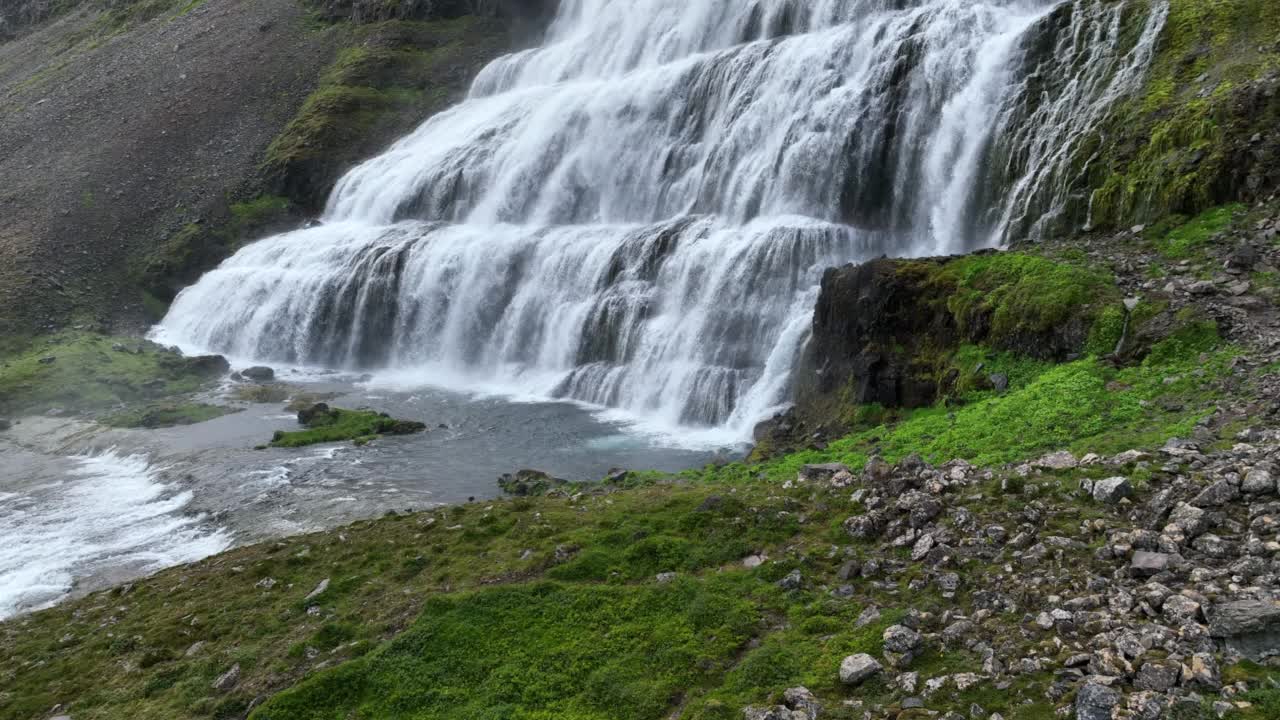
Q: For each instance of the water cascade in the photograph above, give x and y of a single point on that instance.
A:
(637, 213)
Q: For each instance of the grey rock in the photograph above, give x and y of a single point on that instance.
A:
(1095, 701)
(1258, 481)
(1112, 489)
(1061, 460)
(800, 699)
(665, 577)
(857, 668)
(821, 472)
(1216, 495)
(1179, 609)
(1190, 519)
(324, 585)
(865, 527)
(1157, 676)
(793, 581)
(259, 373)
(1146, 564)
(901, 645)
(920, 508)
(1249, 627)
(228, 679)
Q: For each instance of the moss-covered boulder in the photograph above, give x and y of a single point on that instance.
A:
(325, 425)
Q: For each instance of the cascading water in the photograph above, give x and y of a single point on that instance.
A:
(637, 213)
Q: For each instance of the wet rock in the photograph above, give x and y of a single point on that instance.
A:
(857, 668)
(209, 365)
(259, 373)
(310, 415)
(1249, 627)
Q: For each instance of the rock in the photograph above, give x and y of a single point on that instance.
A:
(802, 700)
(5, 424)
(1157, 676)
(857, 668)
(1146, 564)
(793, 581)
(865, 527)
(921, 508)
(1179, 609)
(527, 482)
(821, 472)
(999, 381)
(1061, 460)
(48, 360)
(1191, 520)
(1202, 672)
(1249, 627)
(324, 585)
(259, 373)
(1218, 494)
(751, 562)
(665, 577)
(228, 679)
(1112, 490)
(1244, 257)
(210, 365)
(1258, 481)
(309, 415)
(1095, 701)
(901, 645)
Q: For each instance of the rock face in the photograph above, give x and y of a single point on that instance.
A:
(1250, 627)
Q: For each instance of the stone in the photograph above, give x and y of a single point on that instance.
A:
(999, 381)
(1061, 460)
(793, 581)
(228, 679)
(1096, 701)
(259, 373)
(1156, 676)
(1216, 495)
(751, 562)
(1258, 481)
(821, 472)
(865, 527)
(857, 668)
(1112, 489)
(324, 585)
(1202, 671)
(1249, 627)
(800, 699)
(1179, 609)
(920, 508)
(665, 577)
(901, 644)
(1191, 520)
(1146, 564)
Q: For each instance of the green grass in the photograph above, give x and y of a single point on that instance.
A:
(87, 374)
(359, 426)
(541, 651)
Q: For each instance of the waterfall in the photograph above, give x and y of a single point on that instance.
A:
(637, 213)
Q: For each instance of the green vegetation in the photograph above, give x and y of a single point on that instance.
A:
(1019, 295)
(336, 425)
(391, 76)
(166, 415)
(1174, 150)
(1183, 240)
(262, 394)
(87, 372)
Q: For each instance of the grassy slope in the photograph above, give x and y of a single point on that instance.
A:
(548, 607)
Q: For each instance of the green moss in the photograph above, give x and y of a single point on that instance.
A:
(87, 373)
(1182, 241)
(1169, 150)
(167, 415)
(338, 425)
(261, 394)
(1023, 294)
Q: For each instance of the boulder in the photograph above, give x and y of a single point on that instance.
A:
(227, 680)
(901, 645)
(210, 365)
(1112, 490)
(822, 472)
(1095, 701)
(857, 668)
(1146, 564)
(259, 373)
(1249, 627)
(1216, 495)
(1061, 460)
(1259, 481)
(317, 412)
(1191, 520)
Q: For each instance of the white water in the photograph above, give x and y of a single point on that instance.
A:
(110, 515)
(637, 214)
